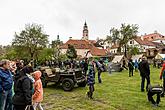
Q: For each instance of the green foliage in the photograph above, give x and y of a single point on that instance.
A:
(71, 52)
(133, 50)
(123, 35)
(30, 41)
(56, 48)
(45, 54)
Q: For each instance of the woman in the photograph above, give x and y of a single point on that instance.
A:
(23, 90)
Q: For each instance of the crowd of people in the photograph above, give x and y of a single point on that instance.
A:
(144, 68)
(20, 86)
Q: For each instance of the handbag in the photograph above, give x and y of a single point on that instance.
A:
(29, 107)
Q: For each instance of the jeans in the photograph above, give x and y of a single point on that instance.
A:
(91, 90)
(150, 97)
(6, 100)
(130, 72)
(143, 81)
(99, 76)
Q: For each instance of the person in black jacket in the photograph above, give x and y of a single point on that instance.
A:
(154, 90)
(23, 90)
(131, 67)
(144, 73)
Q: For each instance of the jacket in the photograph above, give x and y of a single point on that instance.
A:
(162, 74)
(22, 89)
(6, 80)
(90, 76)
(131, 65)
(38, 89)
(144, 68)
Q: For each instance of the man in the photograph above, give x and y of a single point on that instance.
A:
(144, 73)
(100, 69)
(6, 82)
(131, 67)
(162, 73)
(155, 90)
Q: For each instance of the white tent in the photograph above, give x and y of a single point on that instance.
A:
(160, 56)
(136, 57)
(117, 58)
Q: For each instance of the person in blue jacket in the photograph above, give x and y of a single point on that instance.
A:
(6, 82)
(91, 80)
(136, 65)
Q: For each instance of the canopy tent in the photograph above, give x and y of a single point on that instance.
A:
(136, 57)
(118, 58)
(160, 56)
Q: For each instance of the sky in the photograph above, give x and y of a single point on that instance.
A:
(66, 17)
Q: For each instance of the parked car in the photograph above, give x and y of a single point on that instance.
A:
(67, 78)
(116, 67)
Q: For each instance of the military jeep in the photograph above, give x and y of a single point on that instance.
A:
(65, 78)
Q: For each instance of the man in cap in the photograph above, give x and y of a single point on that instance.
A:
(144, 73)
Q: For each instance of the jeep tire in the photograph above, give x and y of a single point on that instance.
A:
(67, 84)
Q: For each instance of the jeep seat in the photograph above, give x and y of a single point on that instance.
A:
(49, 72)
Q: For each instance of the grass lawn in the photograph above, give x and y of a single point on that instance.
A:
(117, 92)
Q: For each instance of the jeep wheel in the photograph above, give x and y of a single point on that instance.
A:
(67, 84)
(82, 84)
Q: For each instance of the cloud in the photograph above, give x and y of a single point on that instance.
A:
(66, 17)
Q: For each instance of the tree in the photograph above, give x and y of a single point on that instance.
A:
(30, 41)
(122, 36)
(127, 32)
(45, 54)
(56, 48)
(71, 52)
(114, 37)
(133, 50)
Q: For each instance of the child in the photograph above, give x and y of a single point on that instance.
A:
(38, 91)
(90, 80)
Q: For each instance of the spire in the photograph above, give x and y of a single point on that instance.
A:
(85, 24)
(85, 31)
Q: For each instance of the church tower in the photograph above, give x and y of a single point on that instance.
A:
(85, 32)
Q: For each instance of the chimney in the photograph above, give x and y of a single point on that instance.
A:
(70, 38)
(155, 32)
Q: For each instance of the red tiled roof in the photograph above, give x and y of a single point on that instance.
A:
(144, 42)
(153, 36)
(78, 44)
(97, 52)
(85, 44)
(92, 41)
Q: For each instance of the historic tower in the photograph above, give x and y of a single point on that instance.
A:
(85, 32)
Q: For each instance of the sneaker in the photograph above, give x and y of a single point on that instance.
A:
(155, 105)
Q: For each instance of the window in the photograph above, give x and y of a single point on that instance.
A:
(131, 42)
(149, 53)
(152, 37)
